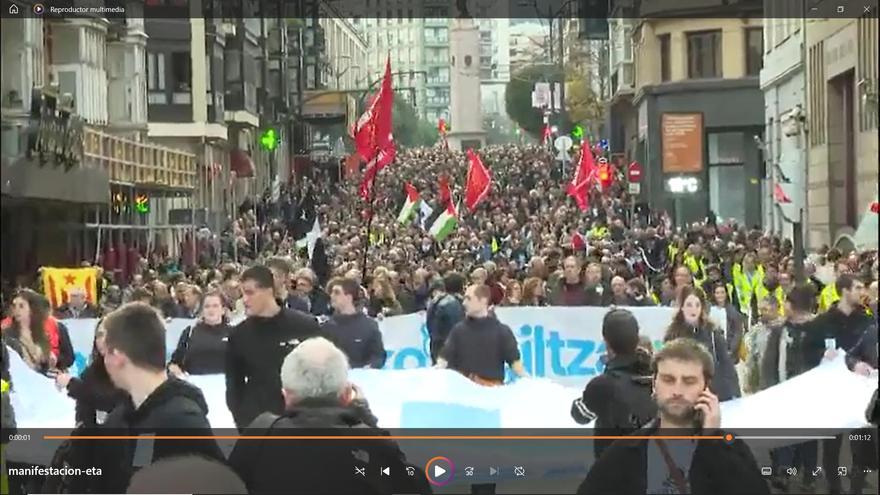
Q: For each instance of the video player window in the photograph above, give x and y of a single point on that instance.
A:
(436, 277)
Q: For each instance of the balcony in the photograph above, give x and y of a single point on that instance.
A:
(622, 80)
(143, 164)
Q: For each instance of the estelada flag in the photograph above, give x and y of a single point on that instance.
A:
(58, 281)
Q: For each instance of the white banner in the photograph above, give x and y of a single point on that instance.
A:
(560, 343)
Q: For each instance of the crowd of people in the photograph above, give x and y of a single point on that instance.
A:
(285, 330)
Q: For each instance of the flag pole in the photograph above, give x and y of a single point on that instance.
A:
(370, 213)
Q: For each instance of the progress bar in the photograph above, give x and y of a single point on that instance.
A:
(778, 437)
(727, 437)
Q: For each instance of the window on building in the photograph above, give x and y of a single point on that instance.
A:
(156, 71)
(754, 51)
(704, 55)
(181, 71)
(664, 58)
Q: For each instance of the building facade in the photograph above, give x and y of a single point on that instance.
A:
(494, 68)
(75, 150)
(841, 65)
(699, 109)
(785, 138)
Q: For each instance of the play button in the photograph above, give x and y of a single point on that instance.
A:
(439, 471)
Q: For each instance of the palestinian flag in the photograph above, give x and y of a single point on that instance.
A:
(445, 223)
(410, 206)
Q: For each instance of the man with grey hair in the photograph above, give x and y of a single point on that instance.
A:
(78, 306)
(307, 288)
(320, 400)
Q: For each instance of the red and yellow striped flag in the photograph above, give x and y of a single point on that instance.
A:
(58, 281)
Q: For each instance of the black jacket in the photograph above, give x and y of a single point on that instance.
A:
(358, 336)
(319, 303)
(254, 353)
(804, 350)
(612, 402)
(174, 408)
(725, 383)
(443, 315)
(326, 467)
(201, 349)
(717, 468)
(95, 396)
(853, 333)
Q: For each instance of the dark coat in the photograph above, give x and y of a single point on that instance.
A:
(804, 352)
(718, 468)
(447, 312)
(174, 408)
(735, 329)
(95, 395)
(725, 383)
(305, 467)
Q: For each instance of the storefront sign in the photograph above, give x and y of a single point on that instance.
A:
(682, 142)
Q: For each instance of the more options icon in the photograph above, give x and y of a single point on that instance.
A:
(439, 471)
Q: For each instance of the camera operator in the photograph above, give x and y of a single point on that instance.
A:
(620, 399)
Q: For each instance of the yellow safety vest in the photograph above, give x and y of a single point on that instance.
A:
(697, 268)
(746, 289)
(672, 251)
(828, 297)
(598, 232)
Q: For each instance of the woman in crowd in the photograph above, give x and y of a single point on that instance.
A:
(533, 292)
(41, 340)
(513, 292)
(383, 301)
(94, 393)
(735, 323)
(201, 349)
(691, 320)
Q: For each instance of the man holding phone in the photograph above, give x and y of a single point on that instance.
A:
(682, 371)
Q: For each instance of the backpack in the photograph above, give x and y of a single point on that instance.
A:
(632, 406)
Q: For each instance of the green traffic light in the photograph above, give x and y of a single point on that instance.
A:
(577, 132)
(269, 140)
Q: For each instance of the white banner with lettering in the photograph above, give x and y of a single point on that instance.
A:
(562, 344)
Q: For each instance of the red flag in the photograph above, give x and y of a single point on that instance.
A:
(578, 242)
(445, 193)
(372, 133)
(580, 185)
(779, 195)
(478, 181)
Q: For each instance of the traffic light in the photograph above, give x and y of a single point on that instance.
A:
(605, 176)
(269, 139)
(578, 132)
(142, 204)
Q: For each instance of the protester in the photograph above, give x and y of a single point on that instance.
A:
(691, 320)
(533, 292)
(316, 299)
(846, 326)
(383, 300)
(201, 349)
(445, 311)
(319, 398)
(281, 275)
(94, 392)
(257, 346)
(735, 328)
(757, 345)
(790, 350)
(77, 307)
(620, 398)
(357, 335)
(480, 346)
(192, 302)
(42, 341)
(682, 370)
(157, 403)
